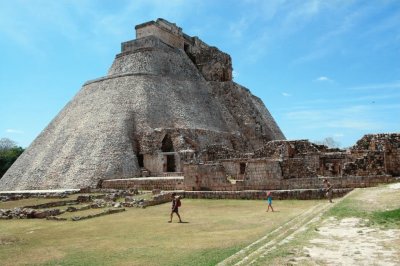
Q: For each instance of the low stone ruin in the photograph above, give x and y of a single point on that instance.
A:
(112, 202)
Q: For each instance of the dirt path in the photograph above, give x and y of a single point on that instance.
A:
(347, 242)
(350, 242)
(333, 242)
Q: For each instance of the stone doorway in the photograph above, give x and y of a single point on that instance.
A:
(167, 148)
(170, 166)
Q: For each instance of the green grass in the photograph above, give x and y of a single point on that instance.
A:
(215, 229)
(377, 212)
(389, 218)
(347, 208)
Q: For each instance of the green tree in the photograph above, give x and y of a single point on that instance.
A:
(9, 152)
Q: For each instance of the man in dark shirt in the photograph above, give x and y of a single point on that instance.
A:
(176, 203)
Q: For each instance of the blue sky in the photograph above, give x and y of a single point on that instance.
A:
(322, 68)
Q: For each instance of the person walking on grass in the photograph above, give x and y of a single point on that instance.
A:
(176, 203)
(269, 199)
(328, 190)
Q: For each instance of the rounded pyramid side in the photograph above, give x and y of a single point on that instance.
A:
(94, 136)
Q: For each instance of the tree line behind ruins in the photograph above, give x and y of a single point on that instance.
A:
(9, 152)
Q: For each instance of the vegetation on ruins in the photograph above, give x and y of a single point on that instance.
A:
(9, 152)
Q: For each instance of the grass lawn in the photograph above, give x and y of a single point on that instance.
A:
(214, 229)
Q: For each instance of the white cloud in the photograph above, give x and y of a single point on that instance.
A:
(286, 94)
(323, 79)
(14, 131)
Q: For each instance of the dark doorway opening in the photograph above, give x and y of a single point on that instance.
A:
(171, 163)
(167, 145)
(242, 168)
(140, 160)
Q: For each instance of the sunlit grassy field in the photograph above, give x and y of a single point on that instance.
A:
(213, 230)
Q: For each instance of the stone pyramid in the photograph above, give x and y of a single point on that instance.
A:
(166, 97)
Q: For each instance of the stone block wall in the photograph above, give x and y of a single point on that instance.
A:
(365, 164)
(331, 164)
(167, 32)
(207, 177)
(254, 174)
(299, 167)
(146, 183)
(300, 194)
(392, 162)
(212, 63)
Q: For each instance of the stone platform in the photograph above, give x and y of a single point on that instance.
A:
(146, 183)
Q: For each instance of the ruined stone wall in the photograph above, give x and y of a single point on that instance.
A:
(392, 162)
(332, 163)
(378, 142)
(217, 152)
(157, 60)
(153, 163)
(383, 145)
(280, 149)
(298, 194)
(239, 108)
(211, 62)
(169, 34)
(149, 183)
(257, 174)
(299, 167)
(365, 163)
(206, 177)
(186, 139)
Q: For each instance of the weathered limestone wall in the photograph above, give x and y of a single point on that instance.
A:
(240, 107)
(167, 32)
(211, 62)
(147, 183)
(258, 173)
(300, 166)
(299, 194)
(266, 174)
(159, 60)
(385, 146)
(392, 162)
(154, 163)
(206, 177)
(331, 164)
(365, 163)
